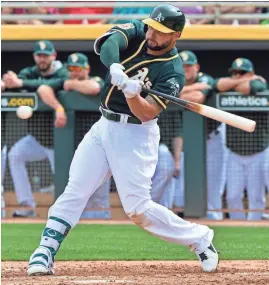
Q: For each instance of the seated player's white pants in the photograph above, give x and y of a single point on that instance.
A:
(99, 201)
(180, 185)
(246, 172)
(162, 188)
(3, 170)
(27, 149)
(216, 171)
(266, 168)
(130, 153)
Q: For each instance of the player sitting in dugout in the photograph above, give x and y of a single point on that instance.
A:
(199, 89)
(47, 73)
(246, 151)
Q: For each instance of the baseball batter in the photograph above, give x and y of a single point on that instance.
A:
(199, 87)
(124, 142)
(247, 151)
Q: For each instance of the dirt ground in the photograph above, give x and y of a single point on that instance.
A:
(140, 272)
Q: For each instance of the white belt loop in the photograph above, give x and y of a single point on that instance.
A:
(124, 118)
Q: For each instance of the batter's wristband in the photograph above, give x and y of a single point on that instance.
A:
(60, 109)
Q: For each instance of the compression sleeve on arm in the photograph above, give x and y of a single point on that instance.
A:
(110, 50)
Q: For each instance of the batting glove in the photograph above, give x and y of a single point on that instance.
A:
(118, 77)
(131, 88)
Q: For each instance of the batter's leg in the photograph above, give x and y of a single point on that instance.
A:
(27, 149)
(255, 186)
(88, 169)
(235, 185)
(133, 183)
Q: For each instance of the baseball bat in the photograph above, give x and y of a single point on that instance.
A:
(209, 112)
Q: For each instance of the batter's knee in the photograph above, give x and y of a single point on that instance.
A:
(138, 214)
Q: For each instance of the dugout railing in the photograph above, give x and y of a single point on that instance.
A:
(83, 112)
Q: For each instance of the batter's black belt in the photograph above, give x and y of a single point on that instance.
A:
(119, 118)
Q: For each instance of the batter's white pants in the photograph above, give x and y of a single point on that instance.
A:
(216, 160)
(246, 172)
(162, 188)
(27, 149)
(130, 152)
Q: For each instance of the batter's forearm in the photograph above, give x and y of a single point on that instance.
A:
(142, 109)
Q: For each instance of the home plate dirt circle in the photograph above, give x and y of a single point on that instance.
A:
(140, 272)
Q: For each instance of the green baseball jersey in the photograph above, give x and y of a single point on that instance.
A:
(211, 125)
(98, 80)
(244, 143)
(162, 73)
(32, 78)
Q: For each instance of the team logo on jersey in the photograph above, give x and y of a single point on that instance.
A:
(42, 45)
(174, 86)
(74, 57)
(159, 18)
(141, 74)
(126, 26)
(238, 62)
(184, 56)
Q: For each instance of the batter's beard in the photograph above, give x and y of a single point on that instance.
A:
(158, 48)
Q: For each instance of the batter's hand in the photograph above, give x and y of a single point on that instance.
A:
(118, 77)
(132, 87)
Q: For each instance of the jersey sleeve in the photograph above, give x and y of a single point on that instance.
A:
(99, 80)
(170, 83)
(209, 81)
(129, 31)
(257, 86)
(25, 73)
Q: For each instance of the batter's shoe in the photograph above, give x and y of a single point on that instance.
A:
(41, 262)
(209, 259)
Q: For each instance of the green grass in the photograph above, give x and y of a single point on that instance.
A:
(128, 242)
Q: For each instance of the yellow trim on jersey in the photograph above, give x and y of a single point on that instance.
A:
(151, 60)
(135, 54)
(127, 42)
(126, 60)
(158, 100)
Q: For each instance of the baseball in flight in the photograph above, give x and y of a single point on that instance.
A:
(24, 112)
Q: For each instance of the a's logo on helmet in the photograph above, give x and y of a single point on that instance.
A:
(238, 62)
(42, 45)
(184, 56)
(74, 57)
(159, 18)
